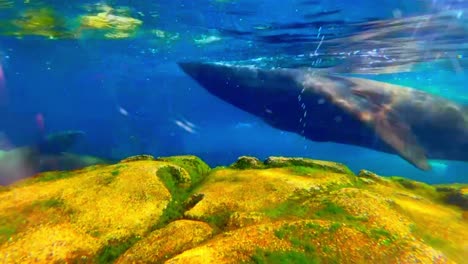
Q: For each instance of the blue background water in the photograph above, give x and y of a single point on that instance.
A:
(127, 95)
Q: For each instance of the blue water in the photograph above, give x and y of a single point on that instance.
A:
(129, 96)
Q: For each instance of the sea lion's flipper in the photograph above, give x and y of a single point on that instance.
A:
(391, 128)
(400, 137)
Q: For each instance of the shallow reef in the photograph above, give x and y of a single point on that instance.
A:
(281, 210)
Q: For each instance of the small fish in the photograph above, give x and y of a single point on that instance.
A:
(186, 125)
(123, 112)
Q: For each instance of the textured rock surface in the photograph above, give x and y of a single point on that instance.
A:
(178, 210)
(176, 237)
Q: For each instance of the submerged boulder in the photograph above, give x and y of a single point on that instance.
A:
(246, 162)
(278, 162)
(178, 210)
(168, 241)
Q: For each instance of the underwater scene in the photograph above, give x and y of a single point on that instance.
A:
(234, 131)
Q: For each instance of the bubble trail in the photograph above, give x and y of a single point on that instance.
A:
(320, 44)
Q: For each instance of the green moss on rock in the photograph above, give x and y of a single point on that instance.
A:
(453, 195)
(280, 162)
(181, 179)
(284, 257)
(166, 242)
(175, 179)
(370, 177)
(137, 158)
(50, 203)
(196, 168)
(285, 210)
(9, 226)
(246, 162)
(52, 176)
(114, 249)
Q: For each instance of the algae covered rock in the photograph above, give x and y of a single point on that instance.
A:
(227, 190)
(369, 177)
(95, 213)
(456, 195)
(192, 164)
(163, 243)
(178, 210)
(278, 162)
(137, 158)
(246, 162)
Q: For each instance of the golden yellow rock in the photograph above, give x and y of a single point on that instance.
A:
(178, 210)
(234, 246)
(81, 212)
(230, 190)
(176, 237)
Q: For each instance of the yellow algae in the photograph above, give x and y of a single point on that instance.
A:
(109, 21)
(244, 219)
(432, 221)
(183, 234)
(110, 203)
(43, 22)
(249, 190)
(114, 23)
(375, 208)
(234, 246)
(49, 243)
(23, 196)
(312, 240)
(439, 226)
(98, 21)
(117, 35)
(199, 255)
(464, 190)
(126, 203)
(175, 210)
